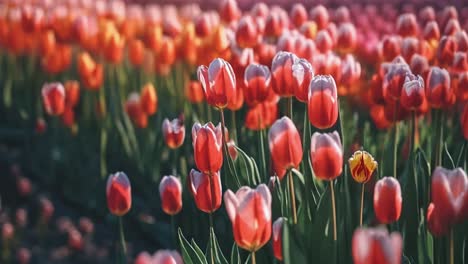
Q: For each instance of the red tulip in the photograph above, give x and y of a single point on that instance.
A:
(319, 14)
(41, 126)
(47, 209)
(174, 132)
(247, 35)
(8, 231)
(460, 63)
(135, 111)
(53, 96)
(350, 74)
(68, 117)
(284, 70)
(23, 255)
(232, 149)
(166, 257)
(72, 93)
(412, 96)
(449, 189)
(452, 27)
(219, 82)
(461, 38)
(278, 238)
(464, 121)
(323, 102)
(119, 194)
(298, 14)
(390, 47)
(285, 144)
(262, 115)
(303, 73)
(446, 50)
(394, 79)
(250, 213)
(206, 190)
(438, 90)
(419, 65)
(407, 25)
(375, 245)
(387, 200)
(323, 41)
(326, 155)
(346, 37)
(143, 258)
(207, 143)
(170, 190)
(149, 99)
(257, 79)
(75, 239)
(431, 33)
(229, 11)
(436, 223)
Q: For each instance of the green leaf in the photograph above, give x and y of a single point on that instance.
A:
(235, 257)
(448, 156)
(292, 252)
(299, 175)
(197, 249)
(189, 254)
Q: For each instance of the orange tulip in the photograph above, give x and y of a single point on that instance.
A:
(387, 200)
(149, 99)
(170, 190)
(135, 111)
(323, 102)
(53, 97)
(118, 193)
(206, 190)
(136, 52)
(72, 93)
(194, 92)
(47, 42)
(285, 145)
(174, 132)
(250, 213)
(219, 82)
(167, 53)
(326, 155)
(207, 144)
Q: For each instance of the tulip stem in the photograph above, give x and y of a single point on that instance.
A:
(362, 204)
(123, 247)
(211, 237)
(262, 151)
(253, 257)
(414, 131)
(451, 247)
(332, 193)
(293, 196)
(231, 167)
(289, 106)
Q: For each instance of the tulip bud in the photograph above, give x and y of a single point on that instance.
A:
(21, 217)
(23, 186)
(375, 245)
(438, 90)
(206, 190)
(412, 96)
(41, 126)
(134, 110)
(387, 200)
(464, 121)
(174, 132)
(285, 144)
(278, 238)
(436, 224)
(257, 83)
(149, 99)
(207, 144)
(194, 92)
(323, 102)
(170, 190)
(218, 81)
(75, 240)
(7, 231)
(232, 149)
(167, 256)
(47, 209)
(86, 225)
(250, 213)
(448, 191)
(326, 155)
(362, 166)
(23, 256)
(53, 96)
(72, 93)
(119, 194)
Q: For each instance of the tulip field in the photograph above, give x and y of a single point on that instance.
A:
(233, 132)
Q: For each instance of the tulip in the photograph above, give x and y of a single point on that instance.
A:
(47, 209)
(394, 79)
(438, 90)
(135, 111)
(72, 93)
(247, 35)
(229, 11)
(257, 80)
(419, 65)
(278, 238)
(194, 92)
(8, 231)
(174, 132)
(167, 257)
(346, 37)
(326, 155)
(143, 258)
(387, 200)
(461, 38)
(219, 82)
(323, 102)
(303, 73)
(233, 153)
(362, 166)
(136, 50)
(21, 217)
(149, 99)
(431, 33)
(53, 96)
(170, 190)
(250, 213)
(23, 255)
(207, 144)
(86, 225)
(68, 117)
(446, 50)
(390, 48)
(460, 62)
(464, 121)
(350, 75)
(238, 101)
(375, 245)
(262, 115)
(41, 126)
(284, 77)
(206, 190)
(436, 223)
(323, 41)
(407, 25)
(118, 193)
(412, 95)
(320, 16)
(298, 15)
(285, 144)
(75, 240)
(448, 191)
